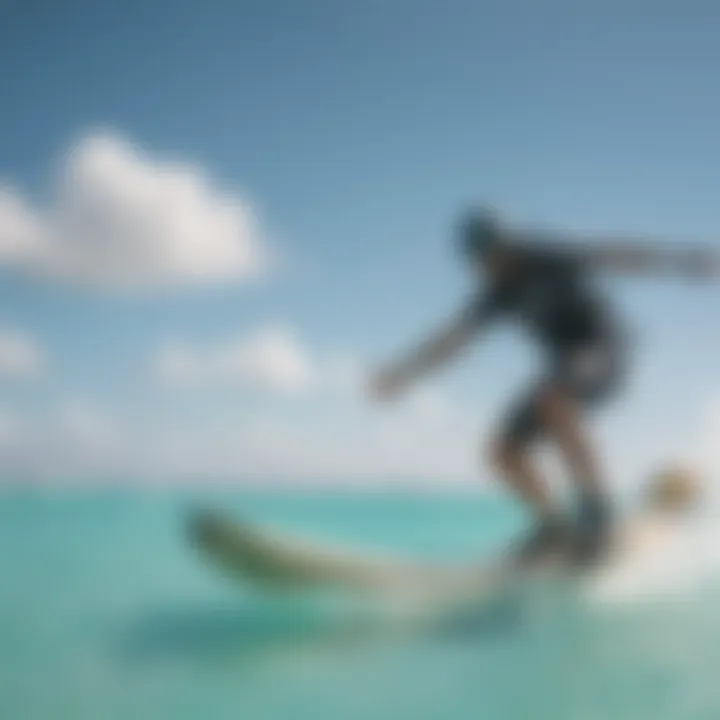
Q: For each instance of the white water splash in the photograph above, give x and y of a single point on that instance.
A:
(683, 562)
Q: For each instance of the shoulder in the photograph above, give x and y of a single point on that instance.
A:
(547, 255)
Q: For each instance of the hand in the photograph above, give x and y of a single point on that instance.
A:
(387, 384)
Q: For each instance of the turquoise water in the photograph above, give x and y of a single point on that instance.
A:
(106, 613)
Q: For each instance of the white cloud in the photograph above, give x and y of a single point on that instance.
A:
(20, 356)
(121, 218)
(334, 437)
(329, 431)
(21, 231)
(334, 434)
(270, 358)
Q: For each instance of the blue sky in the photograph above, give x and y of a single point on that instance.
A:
(355, 131)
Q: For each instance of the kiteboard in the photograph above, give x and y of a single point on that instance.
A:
(263, 556)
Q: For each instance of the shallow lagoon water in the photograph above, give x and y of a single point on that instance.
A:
(106, 612)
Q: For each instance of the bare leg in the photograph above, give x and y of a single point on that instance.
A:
(563, 421)
(550, 533)
(515, 464)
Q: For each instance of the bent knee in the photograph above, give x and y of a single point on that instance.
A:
(555, 408)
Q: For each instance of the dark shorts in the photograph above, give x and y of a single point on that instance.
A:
(589, 374)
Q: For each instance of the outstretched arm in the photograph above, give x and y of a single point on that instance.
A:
(437, 350)
(633, 256)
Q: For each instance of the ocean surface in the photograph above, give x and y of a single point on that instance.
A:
(107, 612)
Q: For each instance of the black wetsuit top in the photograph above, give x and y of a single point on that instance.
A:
(552, 295)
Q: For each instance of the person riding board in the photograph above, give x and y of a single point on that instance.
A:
(546, 285)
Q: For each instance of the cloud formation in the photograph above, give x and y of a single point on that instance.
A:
(119, 217)
(270, 358)
(338, 440)
(332, 435)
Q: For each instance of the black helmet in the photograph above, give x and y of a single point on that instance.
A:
(479, 230)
